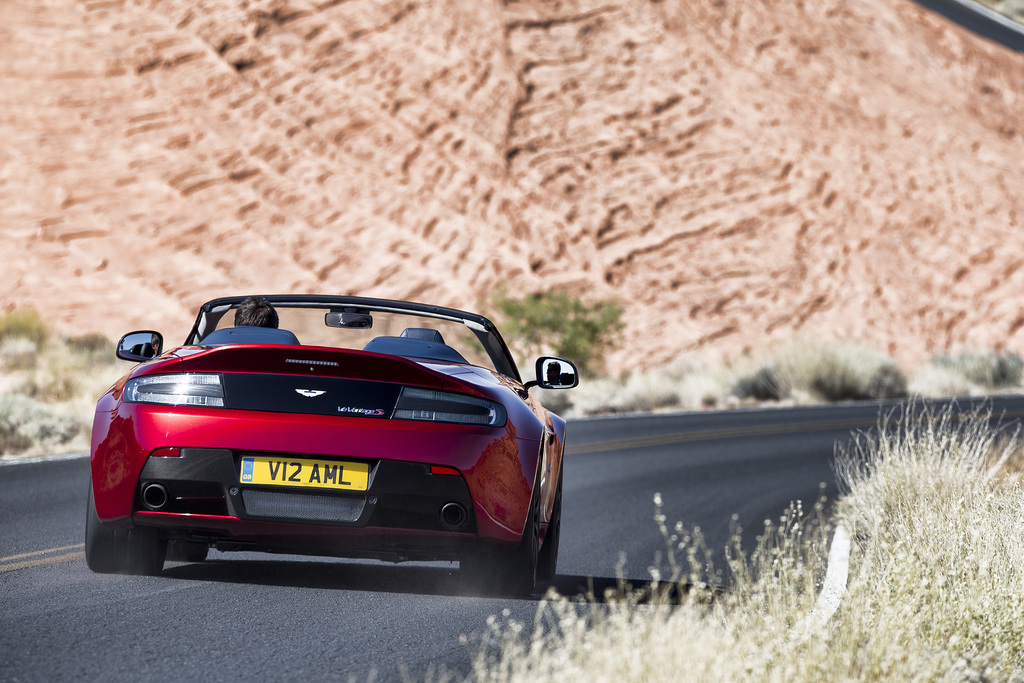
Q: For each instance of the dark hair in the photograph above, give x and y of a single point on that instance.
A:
(256, 312)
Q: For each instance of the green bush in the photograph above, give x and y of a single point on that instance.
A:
(24, 323)
(561, 322)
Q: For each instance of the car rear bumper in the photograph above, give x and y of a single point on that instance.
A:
(497, 467)
(399, 495)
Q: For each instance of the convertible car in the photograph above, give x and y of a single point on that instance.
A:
(355, 427)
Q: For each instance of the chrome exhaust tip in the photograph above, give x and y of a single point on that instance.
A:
(154, 496)
(453, 516)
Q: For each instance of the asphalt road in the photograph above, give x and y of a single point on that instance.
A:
(244, 615)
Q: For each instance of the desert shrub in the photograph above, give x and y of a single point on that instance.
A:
(13, 442)
(562, 322)
(768, 383)
(18, 353)
(994, 370)
(558, 400)
(23, 323)
(25, 422)
(633, 393)
(94, 347)
(934, 381)
(855, 374)
(887, 382)
(49, 388)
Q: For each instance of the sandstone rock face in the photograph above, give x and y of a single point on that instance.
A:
(734, 172)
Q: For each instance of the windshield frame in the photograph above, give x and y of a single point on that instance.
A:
(486, 332)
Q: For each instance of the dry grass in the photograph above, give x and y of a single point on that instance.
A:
(936, 590)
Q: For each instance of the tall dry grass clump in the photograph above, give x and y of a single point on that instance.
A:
(941, 562)
(682, 626)
(936, 590)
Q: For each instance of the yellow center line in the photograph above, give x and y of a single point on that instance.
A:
(41, 552)
(41, 561)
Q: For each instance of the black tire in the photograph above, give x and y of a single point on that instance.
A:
(186, 551)
(138, 550)
(547, 560)
(508, 572)
(100, 555)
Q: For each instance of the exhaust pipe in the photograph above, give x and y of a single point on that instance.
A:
(453, 516)
(154, 496)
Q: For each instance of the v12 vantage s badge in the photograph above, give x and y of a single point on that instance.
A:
(367, 412)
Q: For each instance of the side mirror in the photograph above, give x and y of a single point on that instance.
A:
(140, 346)
(555, 373)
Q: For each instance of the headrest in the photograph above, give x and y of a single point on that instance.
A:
(424, 333)
(249, 335)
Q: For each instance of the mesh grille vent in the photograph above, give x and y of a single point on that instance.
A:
(306, 506)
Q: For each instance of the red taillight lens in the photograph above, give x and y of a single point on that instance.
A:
(166, 452)
(450, 471)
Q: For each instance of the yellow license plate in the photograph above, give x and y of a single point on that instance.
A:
(321, 474)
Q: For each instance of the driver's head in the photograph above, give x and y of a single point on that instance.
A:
(256, 312)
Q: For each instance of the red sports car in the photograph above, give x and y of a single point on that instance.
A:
(340, 426)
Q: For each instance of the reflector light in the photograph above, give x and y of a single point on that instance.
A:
(166, 453)
(438, 469)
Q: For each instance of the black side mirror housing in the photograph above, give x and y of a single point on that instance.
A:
(555, 373)
(140, 346)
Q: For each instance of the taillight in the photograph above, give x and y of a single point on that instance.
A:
(445, 406)
(176, 390)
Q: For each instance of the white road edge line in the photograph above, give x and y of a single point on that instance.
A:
(833, 588)
(29, 460)
(991, 15)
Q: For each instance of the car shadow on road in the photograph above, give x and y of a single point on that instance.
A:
(406, 579)
(603, 590)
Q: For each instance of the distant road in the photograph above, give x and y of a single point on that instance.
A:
(981, 20)
(245, 616)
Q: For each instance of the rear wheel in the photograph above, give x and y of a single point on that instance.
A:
(138, 550)
(547, 560)
(512, 572)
